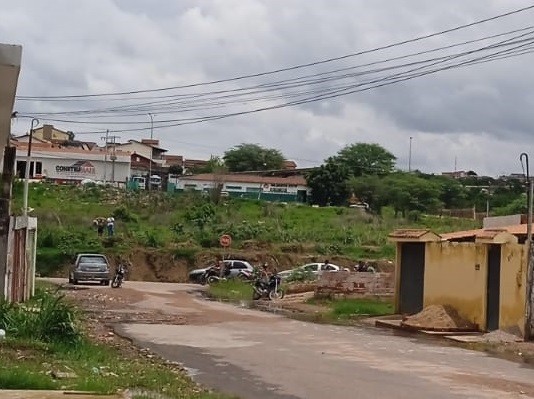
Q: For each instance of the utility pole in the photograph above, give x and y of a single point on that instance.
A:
(106, 156)
(410, 156)
(151, 150)
(530, 255)
(111, 142)
(27, 168)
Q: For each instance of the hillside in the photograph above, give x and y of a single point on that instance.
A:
(165, 235)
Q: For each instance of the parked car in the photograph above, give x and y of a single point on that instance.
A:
(232, 266)
(90, 267)
(314, 268)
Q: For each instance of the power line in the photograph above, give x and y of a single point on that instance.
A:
(328, 60)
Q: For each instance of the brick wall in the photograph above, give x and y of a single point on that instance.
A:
(352, 284)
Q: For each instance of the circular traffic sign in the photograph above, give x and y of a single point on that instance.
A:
(225, 240)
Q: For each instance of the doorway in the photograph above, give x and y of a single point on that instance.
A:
(412, 277)
(493, 287)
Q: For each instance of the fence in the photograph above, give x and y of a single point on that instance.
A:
(21, 256)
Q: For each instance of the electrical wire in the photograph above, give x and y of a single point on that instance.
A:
(292, 68)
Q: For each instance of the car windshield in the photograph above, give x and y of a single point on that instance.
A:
(92, 259)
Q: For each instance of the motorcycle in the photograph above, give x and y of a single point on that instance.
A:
(270, 289)
(364, 268)
(211, 275)
(118, 278)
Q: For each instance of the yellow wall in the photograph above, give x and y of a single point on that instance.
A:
(452, 278)
(513, 287)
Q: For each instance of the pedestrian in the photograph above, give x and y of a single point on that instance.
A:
(99, 223)
(111, 226)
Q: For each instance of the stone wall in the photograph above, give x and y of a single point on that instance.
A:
(352, 284)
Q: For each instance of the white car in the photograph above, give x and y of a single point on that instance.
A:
(314, 268)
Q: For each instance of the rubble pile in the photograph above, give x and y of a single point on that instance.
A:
(438, 317)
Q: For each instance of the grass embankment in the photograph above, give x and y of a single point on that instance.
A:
(187, 224)
(45, 337)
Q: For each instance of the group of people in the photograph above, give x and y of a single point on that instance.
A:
(107, 224)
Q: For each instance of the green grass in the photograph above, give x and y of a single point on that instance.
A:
(349, 308)
(45, 335)
(175, 223)
(231, 290)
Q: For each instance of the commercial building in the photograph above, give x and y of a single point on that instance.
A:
(72, 164)
(271, 188)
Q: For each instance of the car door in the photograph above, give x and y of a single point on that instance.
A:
(311, 267)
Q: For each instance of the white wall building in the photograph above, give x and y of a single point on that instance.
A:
(72, 164)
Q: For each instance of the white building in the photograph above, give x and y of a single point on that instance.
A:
(65, 164)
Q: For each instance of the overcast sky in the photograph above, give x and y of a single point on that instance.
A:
(481, 115)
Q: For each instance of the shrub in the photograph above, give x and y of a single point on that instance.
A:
(124, 214)
(300, 275)
(46, 318)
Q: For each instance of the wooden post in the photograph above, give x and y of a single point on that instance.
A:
(6, 183)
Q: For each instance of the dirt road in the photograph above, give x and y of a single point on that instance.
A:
(261, 355)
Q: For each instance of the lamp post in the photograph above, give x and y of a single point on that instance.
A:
(150, 164)
(410, 156)
(34, 124)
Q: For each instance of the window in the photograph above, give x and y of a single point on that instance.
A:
(327, 267)
(253, 189)
(234, 188)
(38, 168)
(311, 267)
(190, 186)
(239, 265)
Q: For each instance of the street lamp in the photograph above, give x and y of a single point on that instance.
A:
(34, 124)
(150, 164)
(410, 156)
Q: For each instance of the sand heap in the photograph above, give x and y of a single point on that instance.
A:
(438, 317)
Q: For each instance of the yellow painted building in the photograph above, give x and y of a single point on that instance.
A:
(483, 276)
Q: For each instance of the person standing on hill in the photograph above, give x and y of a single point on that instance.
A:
(111, 226)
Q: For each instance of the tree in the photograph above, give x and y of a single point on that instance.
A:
(367, 159)
(214, 165)
(368, 189)
(176, 169)
(328, 183)
(251, 157)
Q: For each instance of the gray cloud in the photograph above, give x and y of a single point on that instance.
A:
(481, 115)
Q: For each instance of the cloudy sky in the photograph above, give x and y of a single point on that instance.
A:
(480, 115)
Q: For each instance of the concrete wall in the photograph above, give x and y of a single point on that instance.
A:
(456, 275)
(353, 284)
(513, 288)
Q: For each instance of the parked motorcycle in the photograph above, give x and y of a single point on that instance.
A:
(211, 275)
(364, 267)
(118, 278)
(270, 289)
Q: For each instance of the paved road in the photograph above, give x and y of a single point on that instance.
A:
(259, 355)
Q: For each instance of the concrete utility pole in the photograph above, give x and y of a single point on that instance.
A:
(151, 150)
(105, 138)
(35, 122)
(10, 60)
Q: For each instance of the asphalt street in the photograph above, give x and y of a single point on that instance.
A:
(260, 355)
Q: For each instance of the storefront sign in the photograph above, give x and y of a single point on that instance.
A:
(80, 168)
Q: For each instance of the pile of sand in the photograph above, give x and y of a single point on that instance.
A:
(438, 317)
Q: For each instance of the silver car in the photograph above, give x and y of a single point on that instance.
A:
(90, 267)
(314, 268)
